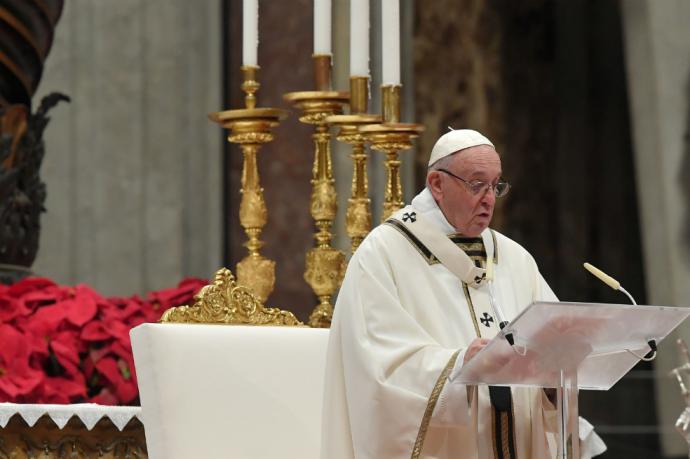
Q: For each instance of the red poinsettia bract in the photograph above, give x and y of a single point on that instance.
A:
(65, 344)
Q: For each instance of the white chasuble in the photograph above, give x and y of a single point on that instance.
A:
(401, 324)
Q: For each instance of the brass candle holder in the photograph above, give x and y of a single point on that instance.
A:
(325, 265)
(358, 216)
(250, 127)
(391, 137)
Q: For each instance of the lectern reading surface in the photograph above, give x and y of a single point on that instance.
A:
(569, 346)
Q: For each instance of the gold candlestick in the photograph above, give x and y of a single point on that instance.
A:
(358, 216)
(325, 265)
(251, 127)
(391, 137)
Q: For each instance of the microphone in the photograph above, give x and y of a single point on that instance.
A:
(608, 280)
(614, 284)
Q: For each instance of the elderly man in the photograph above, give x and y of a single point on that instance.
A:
(414, 306)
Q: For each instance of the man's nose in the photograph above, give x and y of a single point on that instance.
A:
(489, 196)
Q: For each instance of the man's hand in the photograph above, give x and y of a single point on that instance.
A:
(475, 346)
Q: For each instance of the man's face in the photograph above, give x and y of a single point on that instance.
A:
(469, 214)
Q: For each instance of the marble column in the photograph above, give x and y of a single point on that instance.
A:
(657, 45)
(132, 165)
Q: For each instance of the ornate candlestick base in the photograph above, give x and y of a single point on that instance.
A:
(324, 273)
(391, 137)
(251, 127)
(325, 265)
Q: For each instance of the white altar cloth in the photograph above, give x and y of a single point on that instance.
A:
(230, 390)
(88, 413)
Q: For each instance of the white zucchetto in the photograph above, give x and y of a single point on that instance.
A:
(455, 141)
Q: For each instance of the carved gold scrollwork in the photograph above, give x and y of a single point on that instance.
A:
(224, 301)
(358, 220)
(44, 439)
(250, 137)
(74, 447)
(260, 272)
(324, 273)
(313, 118)
(391, 147)
(325, 270)
(351, 138)
(323, 200)
(253, 212)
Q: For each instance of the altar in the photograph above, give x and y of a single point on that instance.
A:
(78, 430)
(230, 391)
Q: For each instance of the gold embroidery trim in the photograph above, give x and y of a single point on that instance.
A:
(493, 238)
(505, 439)
(494, 443)
(471, 246)
(430, 259)
(431, 404)
(505, 430)
(470, 305)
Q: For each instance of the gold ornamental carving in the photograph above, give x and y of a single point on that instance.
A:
(250, 127)
(323, 204)
(325, 266)
(325, 270)
(46, 440)
(391, 137)
(358, 215)
(224, 301)
(250, 138)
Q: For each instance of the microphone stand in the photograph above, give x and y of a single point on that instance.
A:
(614, 284)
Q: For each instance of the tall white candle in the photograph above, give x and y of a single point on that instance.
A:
(322, 26)
(359, 37)
(250, 31)
(390, 34)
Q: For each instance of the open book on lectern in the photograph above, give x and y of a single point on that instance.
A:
(602, 341)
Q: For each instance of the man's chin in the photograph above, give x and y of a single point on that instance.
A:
(474, 232)
(478, 228)
(475, 228)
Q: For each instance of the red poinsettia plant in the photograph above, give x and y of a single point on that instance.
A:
(61, 344)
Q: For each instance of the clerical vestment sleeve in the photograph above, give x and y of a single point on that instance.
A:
(453, 406)
(543, 291)
(391, 364)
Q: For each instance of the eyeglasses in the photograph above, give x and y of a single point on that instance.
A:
(477, 187)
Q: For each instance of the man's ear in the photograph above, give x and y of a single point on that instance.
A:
(433, 179)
